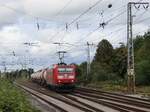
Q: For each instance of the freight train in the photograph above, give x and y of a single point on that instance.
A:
(59, 77)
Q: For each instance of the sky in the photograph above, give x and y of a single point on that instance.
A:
(44, 22)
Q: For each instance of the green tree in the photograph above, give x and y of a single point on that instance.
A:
(119, 61)
(98, 72)
(101, 68)
(111, 63)
(104, 53)
(142, 59)
(81, 72)
(143, 72)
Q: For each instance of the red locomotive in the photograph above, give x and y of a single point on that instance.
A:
(60, 76)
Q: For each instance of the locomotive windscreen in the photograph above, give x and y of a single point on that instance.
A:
(65, 70)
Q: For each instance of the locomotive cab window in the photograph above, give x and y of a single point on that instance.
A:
(61, 70)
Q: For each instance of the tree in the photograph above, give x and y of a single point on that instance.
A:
(101, 68)
(111, 64)
(81, 72)
(142, 59)
(119, 61)
(143, 72)
(104, 52)
(98, 72)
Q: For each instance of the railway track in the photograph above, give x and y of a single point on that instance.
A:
(87, 100)
(121, 101)
(110, 93)
(65, 101)
(144, 102)
(59, 104)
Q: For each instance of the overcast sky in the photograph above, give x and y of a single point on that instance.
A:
(19, 21)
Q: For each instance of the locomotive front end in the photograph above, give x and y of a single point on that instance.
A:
(66, 75)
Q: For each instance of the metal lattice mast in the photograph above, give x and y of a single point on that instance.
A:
(130, 69)
(130, 60)
(88, 59)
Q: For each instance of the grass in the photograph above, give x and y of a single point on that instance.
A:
(108, 86)
(144, 90)
(13, 99)
(119, 87)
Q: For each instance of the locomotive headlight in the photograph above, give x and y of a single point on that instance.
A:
(71, 77)
(60, 76)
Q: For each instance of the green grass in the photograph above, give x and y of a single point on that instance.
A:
(121, 87)
(13, 99)
(108, 86)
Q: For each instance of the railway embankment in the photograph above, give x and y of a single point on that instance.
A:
(86, 100)
(13, 99)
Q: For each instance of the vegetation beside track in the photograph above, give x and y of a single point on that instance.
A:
(12, 99)
(109, 66)
(112, 87)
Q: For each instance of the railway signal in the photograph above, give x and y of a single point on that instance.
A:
(130, 59)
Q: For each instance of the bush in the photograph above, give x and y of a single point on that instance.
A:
(11, 99)
(143, 73)
(98, 75)
(101, 73)
(81, 73)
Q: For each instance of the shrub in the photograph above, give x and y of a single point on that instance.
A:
(143, 73)
(12, 99)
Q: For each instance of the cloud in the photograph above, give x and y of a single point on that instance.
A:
(8, 12)
(18, 24)
(51, 8)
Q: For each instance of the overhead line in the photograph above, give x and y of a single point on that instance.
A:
(144, 19)
(99, 27)
(106, 23)
(66, 5)
(108, 20)
(85, 12)
(74, 20)
(138, 23)
(24, 13)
